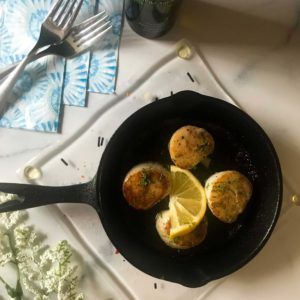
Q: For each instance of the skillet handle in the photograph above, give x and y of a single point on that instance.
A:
(36, 195)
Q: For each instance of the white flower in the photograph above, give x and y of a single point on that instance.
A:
(42, 271)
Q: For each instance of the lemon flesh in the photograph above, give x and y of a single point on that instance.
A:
(187, 202)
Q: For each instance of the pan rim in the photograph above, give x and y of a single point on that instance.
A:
(252, 252)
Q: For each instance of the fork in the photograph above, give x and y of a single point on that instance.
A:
(81, 38)
(54, 30)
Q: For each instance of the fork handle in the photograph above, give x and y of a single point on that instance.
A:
(8, 69)
(8, 84)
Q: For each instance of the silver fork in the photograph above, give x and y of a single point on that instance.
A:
(54, 30)
(81, 38)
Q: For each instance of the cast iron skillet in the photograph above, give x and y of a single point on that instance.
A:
(241, 144)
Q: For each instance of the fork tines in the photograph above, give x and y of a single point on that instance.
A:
(65, 11)
(90, 31)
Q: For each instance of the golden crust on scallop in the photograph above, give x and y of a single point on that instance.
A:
(189, 145)
(145, 185)
(192, 239)
(227, 194)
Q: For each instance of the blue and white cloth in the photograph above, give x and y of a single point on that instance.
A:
(52, 81)
(77, 69)
(103, 66)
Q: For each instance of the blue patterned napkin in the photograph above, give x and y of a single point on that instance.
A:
(77, 69)
(38, 92)
(104, 61)
(49, 81)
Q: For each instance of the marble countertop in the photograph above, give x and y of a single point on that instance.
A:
(253, 47)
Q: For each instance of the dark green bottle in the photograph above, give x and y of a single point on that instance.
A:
(151, 18)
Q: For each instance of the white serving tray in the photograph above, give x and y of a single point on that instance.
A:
(81, 150)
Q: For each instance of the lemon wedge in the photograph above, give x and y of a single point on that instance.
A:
(187, 202)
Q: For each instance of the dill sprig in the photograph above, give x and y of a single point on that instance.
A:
(41, 271)
(145, 179)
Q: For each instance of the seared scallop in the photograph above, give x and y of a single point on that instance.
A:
(189, 145)
(145, 185)
(227, 194)
(192, 239)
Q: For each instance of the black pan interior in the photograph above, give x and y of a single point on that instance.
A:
(240, 145)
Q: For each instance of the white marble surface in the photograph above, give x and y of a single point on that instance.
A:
(254, 49)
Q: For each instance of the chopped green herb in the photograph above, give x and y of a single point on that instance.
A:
(221, 187)
(145, 179)
(202, 147)
(176, 239)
